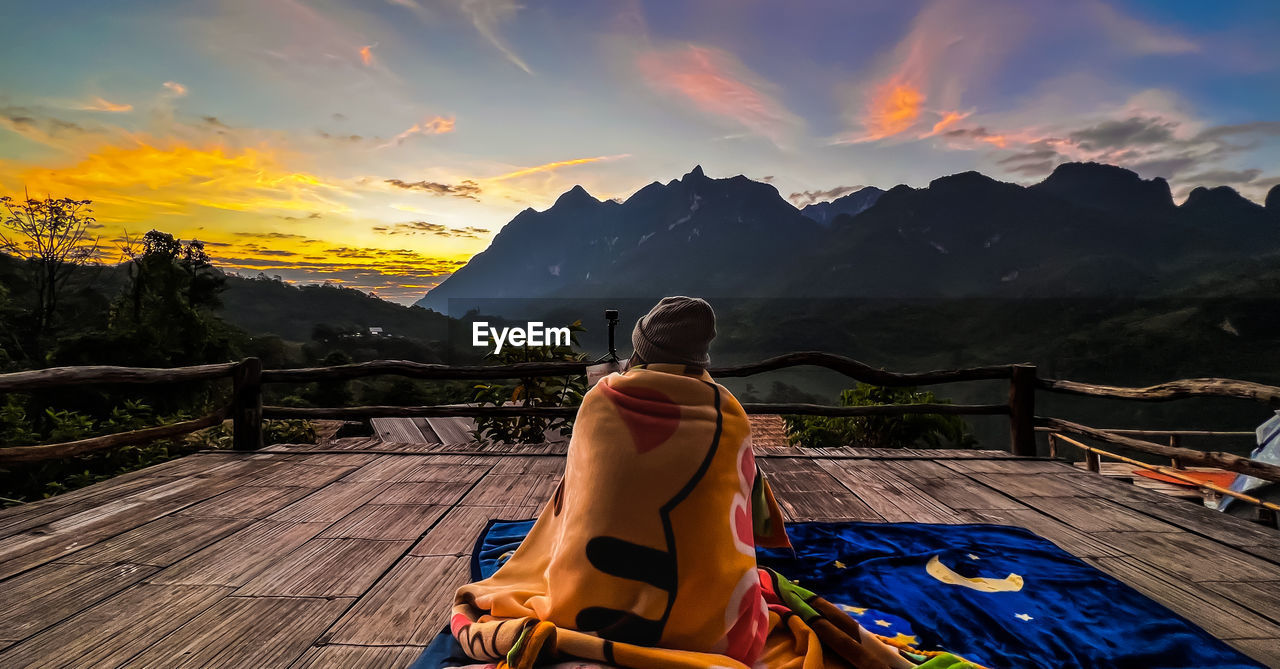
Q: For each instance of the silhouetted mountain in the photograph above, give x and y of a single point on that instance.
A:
(970, 235)
(852, 204)
(1108, 188)
(1273, 199)
(1087, 229)
(697, 234)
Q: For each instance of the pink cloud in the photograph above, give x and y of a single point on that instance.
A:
(717, 84)
(436, 125)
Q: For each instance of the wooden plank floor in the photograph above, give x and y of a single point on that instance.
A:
(348, 554)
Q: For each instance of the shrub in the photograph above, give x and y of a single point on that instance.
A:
(902, 431)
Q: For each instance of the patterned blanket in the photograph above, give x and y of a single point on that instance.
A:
(645, 556)
(1000, 596)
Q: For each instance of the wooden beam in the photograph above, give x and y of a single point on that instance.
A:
(70, 448)
(246, 405)
(348, 413)
(1022, 410)
(1186, 456)
(1171, 390)
(61, 376)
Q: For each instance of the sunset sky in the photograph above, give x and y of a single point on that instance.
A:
(381, 143)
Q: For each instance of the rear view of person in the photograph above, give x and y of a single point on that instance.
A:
(645, 555)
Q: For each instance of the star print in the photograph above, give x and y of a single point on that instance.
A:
(884, 623)
(1023, 617)
(906, 639)
(857, 611)
(973, 557)
(840, 565)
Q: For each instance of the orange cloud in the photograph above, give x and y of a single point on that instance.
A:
(948, 119)
(554, 166)
(136, 182)
(950, 45)
(366, 55)
(437, 125)
(894, 107)
(100, 104)
(717, 84)
(176, 88)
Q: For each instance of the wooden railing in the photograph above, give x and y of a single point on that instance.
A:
(247, 412)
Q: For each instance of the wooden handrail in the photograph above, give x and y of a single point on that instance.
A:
(247, 411)
(861, 371)
(1185, 456)
(424, 370)
(1172, 390)
(848, 366)
(82, 446)
(1171, 473)
(60, 376)
(348, 413)
(1168, 433)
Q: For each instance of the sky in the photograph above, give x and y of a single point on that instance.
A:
(379, 144)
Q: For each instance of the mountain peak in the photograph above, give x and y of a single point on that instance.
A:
(695, 173)
(575, 195)
(1108, 188)
(963, 180)
(1220, 196)
(1272, 202)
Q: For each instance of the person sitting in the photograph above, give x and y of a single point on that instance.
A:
(644, 556)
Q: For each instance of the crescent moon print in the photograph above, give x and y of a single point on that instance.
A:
(941, 572)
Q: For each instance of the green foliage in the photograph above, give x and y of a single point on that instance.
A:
(905, 431)
(288, 432)
(541, 391)
(24, 482)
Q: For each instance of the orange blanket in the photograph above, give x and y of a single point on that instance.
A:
(645, 555)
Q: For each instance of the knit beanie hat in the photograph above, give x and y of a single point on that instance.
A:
(678, 330)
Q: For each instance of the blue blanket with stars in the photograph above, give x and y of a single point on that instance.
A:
(1000, 596)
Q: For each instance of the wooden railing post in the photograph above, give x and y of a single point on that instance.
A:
(1093, 462)
(246, 405)
(1022, 410)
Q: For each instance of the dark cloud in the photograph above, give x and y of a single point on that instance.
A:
(1152, 146)
(425, 228)
(339, 116)
(1266, 128)
(1034, 155)
(214, 122)
(808, 197)
(979, 133)
(1039, 160)
(21, 117)
(274, 235)
(1225, 176)
(467, 188)
(340, 138)
(1133, 131)
(312, 216)
(1162, 166)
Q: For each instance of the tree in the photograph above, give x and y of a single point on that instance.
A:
(51, 235)
(904, 431)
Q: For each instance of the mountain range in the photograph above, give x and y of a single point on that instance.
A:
(1086, 230)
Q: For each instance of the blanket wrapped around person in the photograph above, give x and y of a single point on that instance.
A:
(645, 555)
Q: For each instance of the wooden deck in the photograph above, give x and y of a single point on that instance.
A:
(349, 556)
